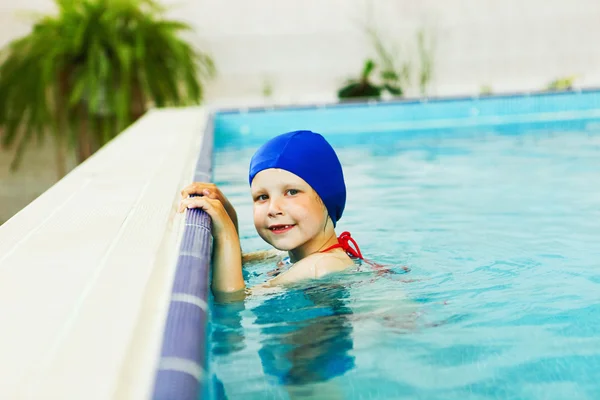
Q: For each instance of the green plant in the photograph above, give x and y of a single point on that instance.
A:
(267, 87)
(87, 72)
(361, 87)
(565, 83)
(425, 50)
(485, 90)
(393, 76)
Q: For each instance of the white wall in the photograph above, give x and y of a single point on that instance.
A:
(307, 47)
(311, 46)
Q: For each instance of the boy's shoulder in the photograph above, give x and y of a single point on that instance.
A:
(328, 263)
(313, 266)
(320, 264)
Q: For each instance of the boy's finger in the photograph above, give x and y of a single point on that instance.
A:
(182, 205)
(199, 188)
(194, 188)
(192, 202)
(187, 192)
(210, 194)
(187, 189)
(205, 203)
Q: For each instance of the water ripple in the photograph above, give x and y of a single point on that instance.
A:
(501, 235)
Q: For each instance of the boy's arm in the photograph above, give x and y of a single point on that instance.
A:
(227, 275)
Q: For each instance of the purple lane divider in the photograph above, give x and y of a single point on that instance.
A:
(182, 367)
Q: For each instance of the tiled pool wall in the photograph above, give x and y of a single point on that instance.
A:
(183, 363)
(411, 115)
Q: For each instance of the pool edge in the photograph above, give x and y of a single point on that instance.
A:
(181, 369)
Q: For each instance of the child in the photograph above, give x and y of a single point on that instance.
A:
(299, 194)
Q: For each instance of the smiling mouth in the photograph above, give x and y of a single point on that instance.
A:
(277, 229)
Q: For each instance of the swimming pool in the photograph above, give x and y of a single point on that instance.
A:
(492, 203)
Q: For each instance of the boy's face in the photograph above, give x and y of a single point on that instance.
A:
(288, 213)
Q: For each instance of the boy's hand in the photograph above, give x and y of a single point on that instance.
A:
(211, 191)
(227, 278)
(222, 225)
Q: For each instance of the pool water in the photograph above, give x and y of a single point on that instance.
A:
(501, 231)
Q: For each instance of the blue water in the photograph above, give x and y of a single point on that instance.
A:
(501, 231)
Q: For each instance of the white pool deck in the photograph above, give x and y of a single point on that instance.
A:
(86, 269)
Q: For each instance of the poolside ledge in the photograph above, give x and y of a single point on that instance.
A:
(86, 269)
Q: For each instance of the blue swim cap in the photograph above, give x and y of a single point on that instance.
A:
(309, 156)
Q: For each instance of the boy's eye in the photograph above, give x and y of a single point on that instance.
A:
(261, 197)
(293, 192)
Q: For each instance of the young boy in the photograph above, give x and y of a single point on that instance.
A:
(299, 194)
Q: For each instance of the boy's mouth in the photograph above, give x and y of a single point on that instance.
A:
(277, 229)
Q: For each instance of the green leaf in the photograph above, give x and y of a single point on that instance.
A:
(104, 56)
(394, 90)
(367, 69)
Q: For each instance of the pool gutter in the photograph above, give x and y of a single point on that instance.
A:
(182, 365)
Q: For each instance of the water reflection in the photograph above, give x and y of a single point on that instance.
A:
(307, 334)
(227, 334)
(226, 337)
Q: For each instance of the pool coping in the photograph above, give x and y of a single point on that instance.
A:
(87, 267)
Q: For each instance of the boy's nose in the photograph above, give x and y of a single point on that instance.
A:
(274, 208)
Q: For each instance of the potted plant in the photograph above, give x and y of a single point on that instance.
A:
(562, 84)
(86, 73)
(362, 87)
(394, 73)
